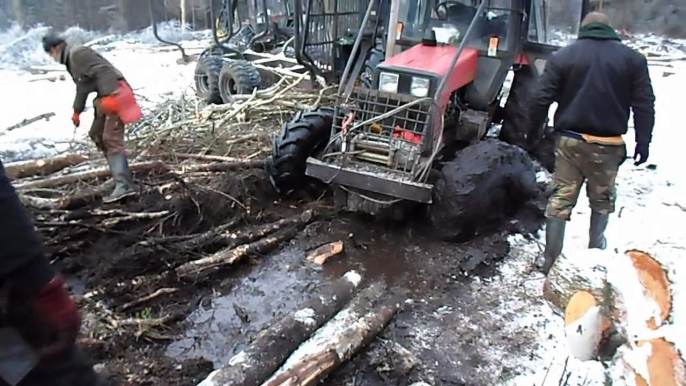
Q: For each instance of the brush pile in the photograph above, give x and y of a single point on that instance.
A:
(204, 203)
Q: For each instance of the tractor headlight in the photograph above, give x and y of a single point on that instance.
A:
(420, 87)
(388, 82)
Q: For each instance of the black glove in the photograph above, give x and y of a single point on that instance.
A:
(641, 154)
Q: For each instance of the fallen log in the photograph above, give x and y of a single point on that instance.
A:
(223, 166)
(50, 78)
(192, 241)
(252, 366)
(233, 239)
(85, 196)
(44, 166)
(202, 157)
(29, 121)
(231, 255)
(625, 303)
(153, 166)
(338, 340)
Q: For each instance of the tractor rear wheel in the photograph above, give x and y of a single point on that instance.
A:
(483, 184)
(207, 78)
(307, 133)
(237, 77)
(516, 121)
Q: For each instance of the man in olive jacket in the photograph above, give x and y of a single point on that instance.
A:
(93, 73)
(596, 81)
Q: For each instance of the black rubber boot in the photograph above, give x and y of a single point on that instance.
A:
(123, 179)
(596, 232)
(554, 239)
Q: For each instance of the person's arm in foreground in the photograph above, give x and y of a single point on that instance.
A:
(37, 304)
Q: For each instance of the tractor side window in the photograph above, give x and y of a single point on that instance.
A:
(537, 22)
(564, 18)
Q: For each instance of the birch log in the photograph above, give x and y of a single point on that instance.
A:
(43, 167)
(274, 345)
(338, 340)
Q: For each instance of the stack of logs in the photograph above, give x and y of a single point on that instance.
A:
(625, 307)
(305, 346)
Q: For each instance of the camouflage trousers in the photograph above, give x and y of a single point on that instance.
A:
(576, 162)
(107, 132)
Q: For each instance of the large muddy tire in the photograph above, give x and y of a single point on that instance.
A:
(374, 58)
(486, 182)
(516, 121)
(237, 77)
(207, 78)
(307, 133)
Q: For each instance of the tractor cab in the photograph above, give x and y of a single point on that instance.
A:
(271, 22)
(490, 35)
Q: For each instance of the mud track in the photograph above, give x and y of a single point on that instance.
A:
(145, 326)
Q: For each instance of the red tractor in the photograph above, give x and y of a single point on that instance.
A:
(420, 89)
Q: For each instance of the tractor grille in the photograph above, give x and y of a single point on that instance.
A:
(394, 144)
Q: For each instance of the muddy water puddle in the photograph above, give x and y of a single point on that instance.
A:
(276, 284)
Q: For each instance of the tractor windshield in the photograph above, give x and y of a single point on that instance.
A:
(450, 20)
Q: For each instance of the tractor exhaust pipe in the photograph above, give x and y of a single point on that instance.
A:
(392, 30)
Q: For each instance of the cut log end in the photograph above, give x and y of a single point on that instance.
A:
(654, 279)
(655, 363)
(322, 254)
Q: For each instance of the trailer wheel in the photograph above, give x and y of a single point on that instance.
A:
(237, 77)
(207, 78)
(486, 182)
(303, 136)
(516, 121)
(374, 58)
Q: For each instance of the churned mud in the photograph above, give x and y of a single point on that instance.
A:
(152, 319)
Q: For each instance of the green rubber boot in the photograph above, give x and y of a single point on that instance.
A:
(554, 239)
(596, 232)
(123, 179)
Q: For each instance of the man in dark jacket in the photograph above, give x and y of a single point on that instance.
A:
(93, 73)
(39, 322)
(595, 81)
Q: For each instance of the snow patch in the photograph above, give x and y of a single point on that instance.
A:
(239, 359)
(640, 307)
(637, 358)
(584, 334)
(209, 381)
(353, 277)
(305, 316)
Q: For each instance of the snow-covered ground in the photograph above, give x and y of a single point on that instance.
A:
(651, 208)
(651, 201)
(151, 70)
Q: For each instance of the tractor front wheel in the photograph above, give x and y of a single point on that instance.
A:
(516, 121)
(375, 57)
(484, 183)
(237, 77)
(307, 133)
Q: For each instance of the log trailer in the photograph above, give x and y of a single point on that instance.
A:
(418, 92)
(249, 40)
